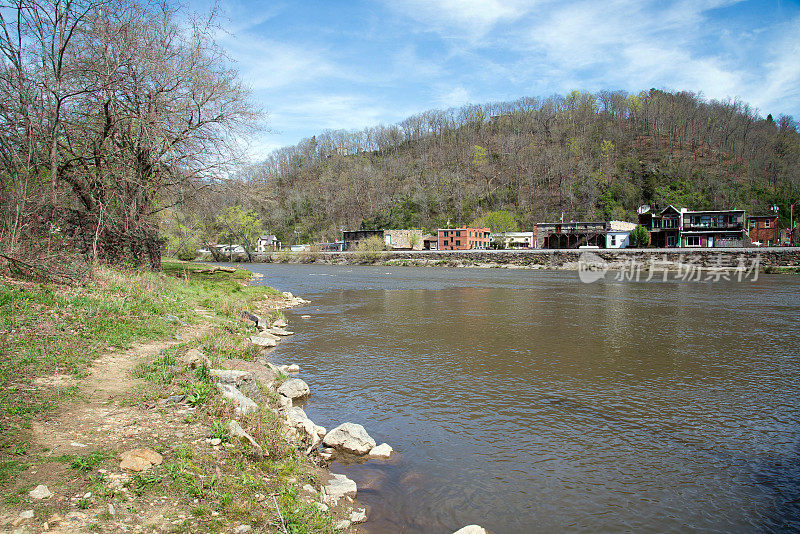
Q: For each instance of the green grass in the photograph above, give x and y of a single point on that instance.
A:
(50, 335)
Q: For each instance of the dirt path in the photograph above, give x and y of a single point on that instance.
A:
(101, 420)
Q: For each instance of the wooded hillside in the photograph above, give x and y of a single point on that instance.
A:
(590, 156)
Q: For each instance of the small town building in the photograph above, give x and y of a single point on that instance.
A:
(430, 242)
(664, 227)
(714, 228)
(393, 239)
(463, 238)
(570, 235)
(267, 243)
(354, 237)
(618, 234)
(764, 230)
(403, 239)
(511, 240)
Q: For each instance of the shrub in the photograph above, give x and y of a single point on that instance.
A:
(371, 249)
(640, 237)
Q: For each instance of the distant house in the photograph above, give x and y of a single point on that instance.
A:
(430, 242)
(463, 238)
(764, 229)
(570, 235)
(714, 228)
(511, 240)
(618, 234)
(665, 227)
(267, 243)
(393, 239)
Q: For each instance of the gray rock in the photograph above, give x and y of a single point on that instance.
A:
(236, 431)
(322, 506)
(309, 488)
(280, 332)
(243, 529)
(287, 295)
(252, 320)
(244, 405)
(263, 341)
(384, 450)
(293, 368)
(294, 389)
(111, 509)
(243, 380)
(264, 375)
(471, 529)
(215, 441)
(350, 437)
(269, 335)
(27, 514)
(280, 323)
(338, 487)
(342, 525)
(40, 492)
(358, 516)
(174, 399)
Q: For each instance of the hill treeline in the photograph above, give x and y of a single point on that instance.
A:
(588, 156)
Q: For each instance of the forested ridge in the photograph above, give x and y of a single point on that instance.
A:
(588, 156)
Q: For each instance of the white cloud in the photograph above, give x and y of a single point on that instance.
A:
(469, 18)
(453, 96)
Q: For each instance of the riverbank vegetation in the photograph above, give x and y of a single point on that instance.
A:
(52, 339)
(112, 111)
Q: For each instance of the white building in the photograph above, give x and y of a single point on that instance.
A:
(506, 240)
(619, 234)
(267, 243)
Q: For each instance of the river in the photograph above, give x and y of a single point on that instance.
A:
(527, 401)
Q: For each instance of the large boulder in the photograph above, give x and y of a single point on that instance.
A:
(264, 375)
(338, 487)
(294, 388)
(280, 323)
(351, 438)
(243, 380)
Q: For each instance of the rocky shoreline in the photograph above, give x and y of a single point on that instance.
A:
(772, 259)
(241, 380)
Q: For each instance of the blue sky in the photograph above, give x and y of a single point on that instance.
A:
(345, 65)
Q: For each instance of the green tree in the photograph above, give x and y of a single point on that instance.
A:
(240, 226)
(640, 237)
(497, 221)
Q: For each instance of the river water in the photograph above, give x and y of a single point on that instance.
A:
(527, 401)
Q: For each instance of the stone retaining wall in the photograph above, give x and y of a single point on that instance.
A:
(553, 259)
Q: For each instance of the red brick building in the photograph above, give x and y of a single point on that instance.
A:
(764, 229)
(463, 238)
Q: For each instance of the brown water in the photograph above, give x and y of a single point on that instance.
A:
(526, 401)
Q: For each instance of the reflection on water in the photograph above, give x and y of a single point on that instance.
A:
(526, 401)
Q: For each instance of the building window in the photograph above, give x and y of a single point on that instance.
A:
(458, 242)
(692, 240)
(752, 224)
(766, 223)
(458, 233)
(444, 243)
